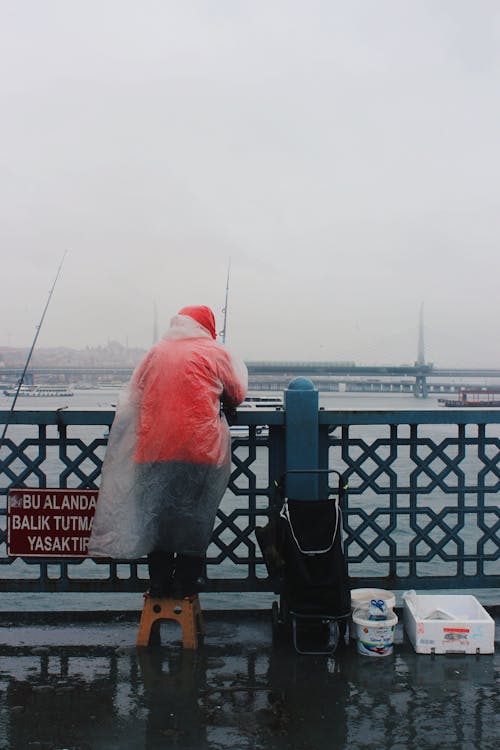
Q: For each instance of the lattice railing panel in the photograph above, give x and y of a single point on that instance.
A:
(421, 510)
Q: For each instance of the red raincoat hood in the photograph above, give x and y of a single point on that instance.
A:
(203, 315)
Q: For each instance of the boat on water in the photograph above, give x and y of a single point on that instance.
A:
(39, 391)
(255, 403)
(485, 398)
(262, 402)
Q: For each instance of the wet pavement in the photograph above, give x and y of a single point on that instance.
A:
(77, 682)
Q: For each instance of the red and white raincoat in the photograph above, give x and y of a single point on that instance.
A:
(168, 458)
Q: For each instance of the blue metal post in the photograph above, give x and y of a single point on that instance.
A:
(302, 438)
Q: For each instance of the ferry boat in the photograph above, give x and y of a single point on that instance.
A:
(40, 391)
(262, 402)
(485, 398)
(254, 403)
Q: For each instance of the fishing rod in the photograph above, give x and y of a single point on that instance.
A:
(224, 309)
(38, 328)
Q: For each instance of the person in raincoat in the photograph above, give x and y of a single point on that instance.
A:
(168, 459)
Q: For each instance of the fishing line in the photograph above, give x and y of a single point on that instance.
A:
(38, 328)
(224, 309)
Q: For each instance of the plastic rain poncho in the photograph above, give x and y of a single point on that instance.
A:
(168, 459)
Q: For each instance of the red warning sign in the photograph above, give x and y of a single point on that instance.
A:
(49, 523)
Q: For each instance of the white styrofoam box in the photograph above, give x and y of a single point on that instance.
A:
(443, 623)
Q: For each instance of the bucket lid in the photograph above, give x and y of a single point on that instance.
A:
(363, 596)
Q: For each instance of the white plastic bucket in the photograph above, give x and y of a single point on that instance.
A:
(374, 637)
(360, 598)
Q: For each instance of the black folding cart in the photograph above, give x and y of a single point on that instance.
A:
(302, 547)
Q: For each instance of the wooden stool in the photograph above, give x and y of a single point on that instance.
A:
(187, 612)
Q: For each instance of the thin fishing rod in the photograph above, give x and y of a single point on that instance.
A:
(224, 309)
(38, 329)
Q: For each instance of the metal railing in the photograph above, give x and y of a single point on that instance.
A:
(421, 509)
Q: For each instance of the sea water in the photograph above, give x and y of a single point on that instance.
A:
(107, 399)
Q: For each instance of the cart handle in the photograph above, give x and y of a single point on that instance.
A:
(285, 514)
(342, 487)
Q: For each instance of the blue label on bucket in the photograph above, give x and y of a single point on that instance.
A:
(374, 639)
(372, 649)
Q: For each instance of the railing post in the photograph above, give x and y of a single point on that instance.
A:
(301, 438)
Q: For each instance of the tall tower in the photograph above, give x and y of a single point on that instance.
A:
(420, 389)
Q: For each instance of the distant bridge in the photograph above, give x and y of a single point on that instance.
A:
(325, 368)
(273, 375)
(389, 378)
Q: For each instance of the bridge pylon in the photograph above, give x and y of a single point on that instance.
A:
(420, 387)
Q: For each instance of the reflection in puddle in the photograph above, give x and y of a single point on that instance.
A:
(103, 698)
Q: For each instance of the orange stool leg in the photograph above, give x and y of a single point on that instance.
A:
(187, 612)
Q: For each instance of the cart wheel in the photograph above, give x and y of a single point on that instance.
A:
(315, 636)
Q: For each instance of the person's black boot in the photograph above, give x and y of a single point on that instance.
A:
(188, 576)
(161, 569)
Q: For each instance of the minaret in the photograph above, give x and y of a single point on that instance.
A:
(155, 323)
(421, 350)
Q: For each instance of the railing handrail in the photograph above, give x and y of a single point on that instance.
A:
(102, 415)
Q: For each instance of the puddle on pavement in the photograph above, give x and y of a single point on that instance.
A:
(76, 698)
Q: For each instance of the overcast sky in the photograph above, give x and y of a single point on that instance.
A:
(344, 155)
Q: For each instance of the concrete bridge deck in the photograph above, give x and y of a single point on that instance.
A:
(75, 681)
